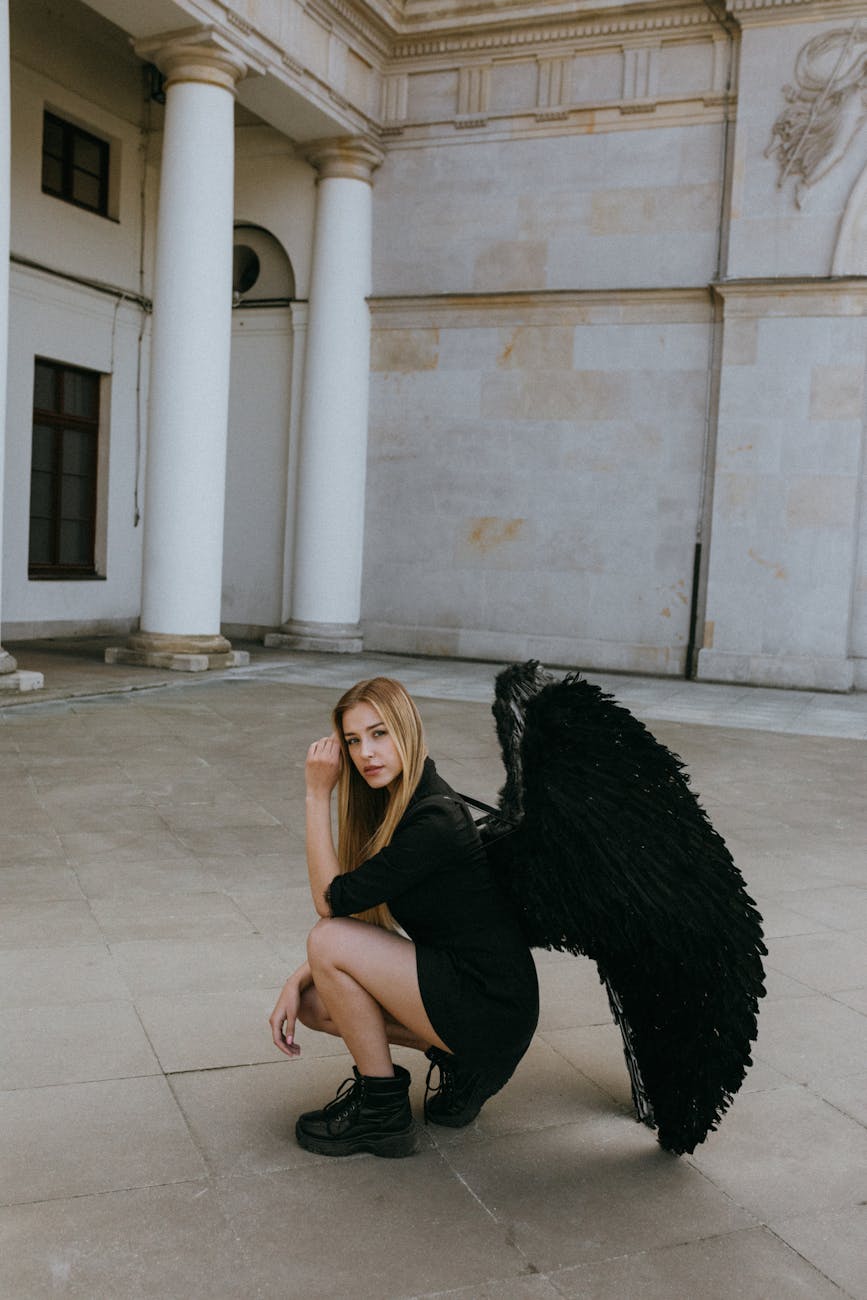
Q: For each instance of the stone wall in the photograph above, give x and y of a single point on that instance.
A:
(788, 493)
(534, 476)
(538, 434)
(645, 341)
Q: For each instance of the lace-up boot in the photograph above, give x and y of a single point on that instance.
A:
(461, 1092)
(368, 1114)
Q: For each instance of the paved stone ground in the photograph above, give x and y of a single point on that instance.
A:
(153, 898)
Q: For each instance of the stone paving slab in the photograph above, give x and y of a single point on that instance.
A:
(152, 898)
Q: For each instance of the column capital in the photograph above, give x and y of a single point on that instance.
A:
(202, 54)
(351, 156)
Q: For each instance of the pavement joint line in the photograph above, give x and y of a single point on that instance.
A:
(809, 1262)
(443, 1155)
(105, 1191)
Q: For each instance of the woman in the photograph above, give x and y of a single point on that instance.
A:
(461, 987)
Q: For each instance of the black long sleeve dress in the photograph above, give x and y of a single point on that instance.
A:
(475, 972)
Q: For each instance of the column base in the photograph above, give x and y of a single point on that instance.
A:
(13, 679)
(21, 681)
(329, 638)
(180, 654)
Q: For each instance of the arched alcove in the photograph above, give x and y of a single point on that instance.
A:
(261, 270)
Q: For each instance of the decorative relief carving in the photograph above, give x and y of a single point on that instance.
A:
(640, 79)
(826, 108)
(395, 90)
(553, 89)
(473, 90)
(641, 72)
(237, 21)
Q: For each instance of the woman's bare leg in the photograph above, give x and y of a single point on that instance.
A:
(313, 1014)
(365, 975)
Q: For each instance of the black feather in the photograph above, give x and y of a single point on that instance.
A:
(614, 857)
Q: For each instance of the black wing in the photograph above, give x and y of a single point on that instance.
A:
(614, 857)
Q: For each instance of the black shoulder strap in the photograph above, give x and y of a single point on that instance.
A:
(477, 803)
(485, 808)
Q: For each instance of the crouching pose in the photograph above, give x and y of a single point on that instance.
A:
(461, 988)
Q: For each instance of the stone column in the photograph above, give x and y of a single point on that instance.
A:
(189, 393)
(329, 524)
(10, 680)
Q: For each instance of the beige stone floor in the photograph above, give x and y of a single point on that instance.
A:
(152, 899)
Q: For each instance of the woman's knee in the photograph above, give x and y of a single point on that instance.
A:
(323, 939)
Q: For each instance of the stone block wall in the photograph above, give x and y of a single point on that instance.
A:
(785, 603)
(624, 209)
(538, 417)
(534, 476)
(605, 333)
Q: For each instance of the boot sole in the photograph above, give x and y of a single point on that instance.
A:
(391, 1146)
(453, 1121)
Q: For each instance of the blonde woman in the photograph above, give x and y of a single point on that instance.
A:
(458, 983)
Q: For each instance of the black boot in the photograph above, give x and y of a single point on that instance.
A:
(461, 1093)
(371, 1114)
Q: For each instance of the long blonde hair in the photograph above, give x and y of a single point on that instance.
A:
(367, 818)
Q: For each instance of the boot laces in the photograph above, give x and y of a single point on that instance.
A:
(343, 1104)
(445, 1087)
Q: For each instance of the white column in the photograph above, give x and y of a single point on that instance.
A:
(329, 526)
(189, 396)
(9, 678)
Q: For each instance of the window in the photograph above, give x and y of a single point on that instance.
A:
(74, 165)
(63, 471)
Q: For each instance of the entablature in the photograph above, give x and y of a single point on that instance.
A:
(388, 68)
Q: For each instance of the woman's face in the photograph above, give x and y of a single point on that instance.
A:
(371, 748)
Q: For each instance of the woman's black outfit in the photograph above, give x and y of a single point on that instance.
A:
(475, 972)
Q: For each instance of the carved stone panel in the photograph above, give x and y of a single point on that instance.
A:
(826, 107)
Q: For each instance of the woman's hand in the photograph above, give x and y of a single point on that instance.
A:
(323, 766)
(283, 1017)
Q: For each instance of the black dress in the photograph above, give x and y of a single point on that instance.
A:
(475, 972)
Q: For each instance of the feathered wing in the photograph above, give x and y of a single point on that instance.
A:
(614, 857)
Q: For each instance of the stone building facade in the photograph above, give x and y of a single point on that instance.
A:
(544, 333)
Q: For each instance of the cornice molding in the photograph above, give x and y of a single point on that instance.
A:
(358, 18)
(375, 33)
(539, 32)
(749, 13)
(395, 38)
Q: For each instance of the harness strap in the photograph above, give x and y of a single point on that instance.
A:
(477, 803)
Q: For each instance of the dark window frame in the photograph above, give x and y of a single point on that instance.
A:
(59, 422)
(70, 132)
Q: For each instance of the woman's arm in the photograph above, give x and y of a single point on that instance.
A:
(321, 772)
(430, 837)
(285, 1013)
